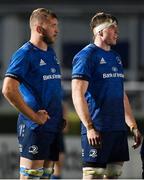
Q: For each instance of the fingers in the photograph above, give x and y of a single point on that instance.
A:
(136, 145)
(92, 142)
(137, 142)
(48, 116)
(42, 116)
(137, 139)
(43, 111)
(94, 138)
(95, 142)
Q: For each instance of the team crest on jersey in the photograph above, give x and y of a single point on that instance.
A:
(53, 70)
(93, 153)
(102, 61)
(115, 69)
(42, 63)
(118, 60)
(33, 149)
(56, 59)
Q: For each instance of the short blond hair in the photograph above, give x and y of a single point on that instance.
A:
(100, 18)
(40, 15)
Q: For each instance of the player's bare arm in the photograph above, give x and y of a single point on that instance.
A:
(12, 94)
(79, 88)
(131, 122)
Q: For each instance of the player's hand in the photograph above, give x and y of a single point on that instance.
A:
(42, 116)
(94, 138)
(64, 123)
(137, 138)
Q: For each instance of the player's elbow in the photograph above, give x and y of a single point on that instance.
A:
(7, 92)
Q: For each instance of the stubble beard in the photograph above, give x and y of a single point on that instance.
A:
(47, 40)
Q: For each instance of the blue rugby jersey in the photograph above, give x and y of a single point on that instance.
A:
(40, 83)
(104, 72)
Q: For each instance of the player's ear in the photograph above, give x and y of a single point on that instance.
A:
(39, 30)
(100, 33)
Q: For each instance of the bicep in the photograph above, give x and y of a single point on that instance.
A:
(18, 67)
(10, 85)
(79, 87)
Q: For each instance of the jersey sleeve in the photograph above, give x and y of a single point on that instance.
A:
(18, 66)
(81, 68)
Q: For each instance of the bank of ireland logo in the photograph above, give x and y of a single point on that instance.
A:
(33, 149)
(93, 153)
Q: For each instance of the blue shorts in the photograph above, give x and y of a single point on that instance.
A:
(62, 144)
(114, 148)
(142, 150)
(36, 144)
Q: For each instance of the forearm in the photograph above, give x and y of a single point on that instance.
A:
(82, 109)
(129, 118)
(15, 99)
(11, 92)
(79, 88)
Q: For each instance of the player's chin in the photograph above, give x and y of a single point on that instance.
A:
(53, 40)
(114, 42)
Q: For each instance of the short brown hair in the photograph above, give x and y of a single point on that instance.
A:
(41, 15)
(101, 17)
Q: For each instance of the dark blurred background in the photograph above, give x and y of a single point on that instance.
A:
(74, 17)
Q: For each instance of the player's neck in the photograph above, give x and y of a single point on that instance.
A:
(39, 43)
(102, 44)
